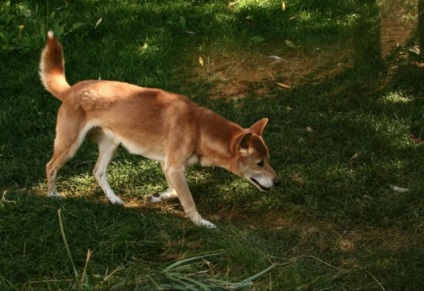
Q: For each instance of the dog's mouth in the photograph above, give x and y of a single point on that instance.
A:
(263, 188)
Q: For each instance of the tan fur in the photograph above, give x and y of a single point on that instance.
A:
(153, 123)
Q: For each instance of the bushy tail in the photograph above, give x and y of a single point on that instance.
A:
(52, 68)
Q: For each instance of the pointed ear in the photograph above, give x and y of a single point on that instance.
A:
(241, 143)
(245, 141)
(259, 126)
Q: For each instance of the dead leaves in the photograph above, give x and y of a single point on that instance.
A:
(355, 156)
(415, 139)
(297, 179)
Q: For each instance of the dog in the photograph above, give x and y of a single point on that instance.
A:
(153, 123)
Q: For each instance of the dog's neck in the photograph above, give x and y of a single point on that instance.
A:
(214, 139)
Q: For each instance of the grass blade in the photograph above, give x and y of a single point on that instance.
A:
(249, 280)
(178, 263)
(62, 230)
(87, 260)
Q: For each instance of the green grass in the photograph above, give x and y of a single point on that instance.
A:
(348, 128)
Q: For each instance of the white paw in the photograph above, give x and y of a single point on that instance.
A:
(54, 194)
(159, 197)
(115, 200)
(154, 198)
(199, 221)
(204, 223)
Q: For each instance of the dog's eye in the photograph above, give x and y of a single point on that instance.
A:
(260, 164)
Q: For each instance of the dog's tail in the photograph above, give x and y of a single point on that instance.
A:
(52, 68)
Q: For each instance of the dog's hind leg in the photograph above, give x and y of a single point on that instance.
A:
(107, 148)
(170, 193)
(69, 136)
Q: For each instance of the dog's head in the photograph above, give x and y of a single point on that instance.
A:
(251, 158)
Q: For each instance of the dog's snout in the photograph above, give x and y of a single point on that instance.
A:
(276, 182)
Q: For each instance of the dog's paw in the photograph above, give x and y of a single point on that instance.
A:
(162, 196)
(54, 194)
(154, 198)
(199, 221)
(204, 223)
(115, 200)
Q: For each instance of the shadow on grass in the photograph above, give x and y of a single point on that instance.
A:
(127, 246)
(148, 44)
(151, 44)
(337, 141)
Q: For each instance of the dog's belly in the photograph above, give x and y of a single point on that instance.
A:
(148, 148)
(147, 152)
(152, 154)
(150, 151)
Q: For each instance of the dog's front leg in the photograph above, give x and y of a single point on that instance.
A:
(176, 179)
(170, 193)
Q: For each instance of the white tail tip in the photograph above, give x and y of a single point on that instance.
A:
(50, 34)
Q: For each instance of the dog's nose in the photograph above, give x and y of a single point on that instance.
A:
(276, 182)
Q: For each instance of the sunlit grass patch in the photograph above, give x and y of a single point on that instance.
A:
(396, 97)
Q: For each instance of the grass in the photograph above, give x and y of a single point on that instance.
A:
(343, 128)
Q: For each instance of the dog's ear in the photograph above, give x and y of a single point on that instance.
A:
(259, 126)
(240, 143)
(245, 141)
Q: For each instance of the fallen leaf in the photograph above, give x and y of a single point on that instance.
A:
(355, 156)
(398, 189)
(297, 179)
(275, 57)
(290, 44)
(415, 50)
(283, 6)
(98, 22)
(283, 85)
(308, 129)
(201, 61)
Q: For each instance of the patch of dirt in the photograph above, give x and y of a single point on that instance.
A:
(239, 74)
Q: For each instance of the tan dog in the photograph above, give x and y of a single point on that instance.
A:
(153, 123)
